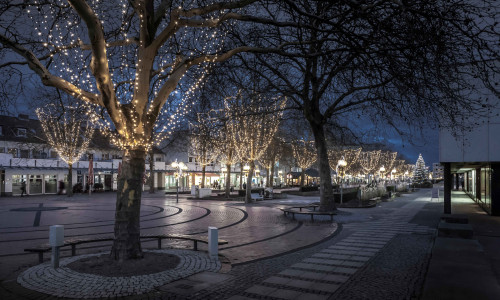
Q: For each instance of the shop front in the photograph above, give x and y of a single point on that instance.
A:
(477, 183)
(36, 184)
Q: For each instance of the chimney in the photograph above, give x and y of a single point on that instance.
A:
(23, 117)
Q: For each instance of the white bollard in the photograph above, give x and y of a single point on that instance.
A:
(213, 243)
(56, 239)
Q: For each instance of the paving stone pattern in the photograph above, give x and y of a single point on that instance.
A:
(323, 273)
(64, 282)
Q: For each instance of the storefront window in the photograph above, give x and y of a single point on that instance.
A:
(485, 188)
(50, 184)
(472, 183)
(17, 182)
(35, 184)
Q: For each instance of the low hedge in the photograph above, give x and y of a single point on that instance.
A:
(242, 193)
(308, 189)
(422, 185)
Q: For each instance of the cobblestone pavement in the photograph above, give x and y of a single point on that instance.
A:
(64, 282)
(320, 275)
(380, 253)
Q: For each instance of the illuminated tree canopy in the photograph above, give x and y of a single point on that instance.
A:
(69, 131)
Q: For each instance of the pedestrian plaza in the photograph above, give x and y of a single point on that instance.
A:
(382, 252)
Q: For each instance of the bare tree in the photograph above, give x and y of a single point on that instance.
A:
(269, 159)
(304, 154)
(252, 126)
(125, 57)
(69, 131)
(392, 61)
(204, 144)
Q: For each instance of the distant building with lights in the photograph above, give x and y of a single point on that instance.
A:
(437, 171)
(26, 156)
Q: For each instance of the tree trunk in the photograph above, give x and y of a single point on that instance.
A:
(228, 180)
(327, 202)
(151, 174)
(202, 185)
(241, 176)
(248, 196)
(127, 243)
(271, 176)
(267, 176)
(69, 188)
(302, 176)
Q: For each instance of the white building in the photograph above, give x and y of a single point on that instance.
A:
(25, 156)
(471, 158)
(437, 171)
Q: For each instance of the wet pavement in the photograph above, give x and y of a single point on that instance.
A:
(368, 253)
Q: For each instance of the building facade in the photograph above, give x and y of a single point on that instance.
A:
(26, 157)
(471, 158)
(437, 171)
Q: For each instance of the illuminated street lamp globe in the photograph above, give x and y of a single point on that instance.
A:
(342, 163)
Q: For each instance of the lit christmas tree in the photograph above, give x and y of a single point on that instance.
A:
(421, 173)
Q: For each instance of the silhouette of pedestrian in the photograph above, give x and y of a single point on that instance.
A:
(23, 188)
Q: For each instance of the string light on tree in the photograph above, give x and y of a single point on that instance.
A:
(69, 131)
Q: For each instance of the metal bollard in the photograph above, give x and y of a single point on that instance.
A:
(213, 243)
(56, 240)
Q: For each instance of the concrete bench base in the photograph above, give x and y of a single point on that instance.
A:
(455, 218)
(292, 211)
(41, 249)
(455, 230)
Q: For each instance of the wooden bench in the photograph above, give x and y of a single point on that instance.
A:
(291, 210)
(194, 238)
(41, 249)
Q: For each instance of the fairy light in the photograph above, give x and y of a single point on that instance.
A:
(58, 28)
(69, 134)
(304, 153)
(253, 127)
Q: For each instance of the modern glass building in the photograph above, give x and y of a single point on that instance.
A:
(471, 158)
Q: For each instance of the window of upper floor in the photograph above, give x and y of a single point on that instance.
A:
(12, 151)
(21, 132)
(24, 153)
(53, 154)
(1, 130)
(2, 150)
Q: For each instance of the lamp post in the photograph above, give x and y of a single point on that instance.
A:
(341, 165)
(179, 167)
(382, 170)
(280, 175)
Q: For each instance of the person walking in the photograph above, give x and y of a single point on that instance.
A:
(23, 188)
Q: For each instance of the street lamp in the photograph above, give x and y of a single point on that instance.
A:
(280, 175)
(341, 165)
(382, 170)
(179, 166)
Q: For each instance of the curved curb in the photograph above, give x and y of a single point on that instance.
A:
(64, 282)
